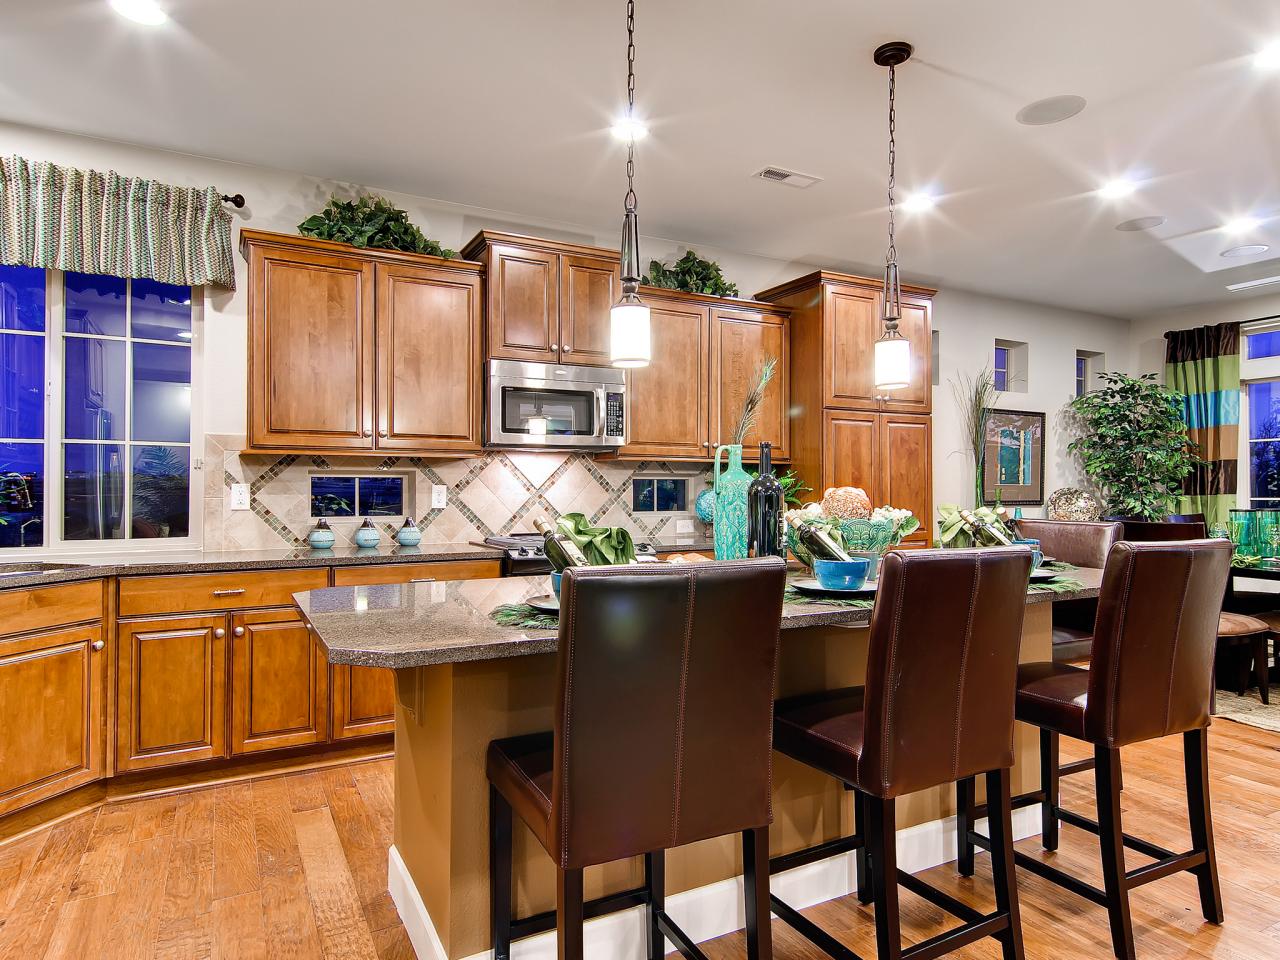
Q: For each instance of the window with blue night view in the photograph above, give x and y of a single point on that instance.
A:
(22, 405)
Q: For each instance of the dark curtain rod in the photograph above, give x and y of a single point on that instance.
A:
(236, 200)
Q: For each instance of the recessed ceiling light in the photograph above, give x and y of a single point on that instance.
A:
(1268, 58)
(628, 129)
(1140, 223)
(1117, 189)
(146, 12)
(1242, 225)
(1051, 110)
(919, 202)
(1247, 250)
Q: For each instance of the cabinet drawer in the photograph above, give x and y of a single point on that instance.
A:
(407, 572)
(143, 596)
(38, 607)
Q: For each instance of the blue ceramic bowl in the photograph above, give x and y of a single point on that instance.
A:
(841, 574)
(1037, 555)
(555, 584)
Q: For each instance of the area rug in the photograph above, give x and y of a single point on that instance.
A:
(1249, 709)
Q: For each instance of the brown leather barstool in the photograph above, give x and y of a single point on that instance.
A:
(664, 672)
(937, 707)
(1151, 677)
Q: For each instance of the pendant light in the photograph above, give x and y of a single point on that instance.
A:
(892, 350)
(629, 344)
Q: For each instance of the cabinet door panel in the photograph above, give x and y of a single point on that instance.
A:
(852, 326)
(311, 356)
(667, 400)
(588, 288)
(852, 452)
(172, 691)
(916, 325)
(742, 342)
(279, 683)
(906, 450)
(524, 304)
(52, 688)
(429, 359)
(364, 701)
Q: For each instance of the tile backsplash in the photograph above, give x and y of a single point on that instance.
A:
(498, 493)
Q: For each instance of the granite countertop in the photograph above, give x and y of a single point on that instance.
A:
(422, 624)
(88, 567)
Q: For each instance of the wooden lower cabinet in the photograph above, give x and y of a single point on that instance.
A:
(171, 691)
(279, 683)
(52, 717)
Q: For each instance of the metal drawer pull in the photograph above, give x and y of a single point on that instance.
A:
(97, 645)
(423, 580)
(229, 593)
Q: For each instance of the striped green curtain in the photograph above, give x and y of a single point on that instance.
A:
(91, 222)
(1203, 365)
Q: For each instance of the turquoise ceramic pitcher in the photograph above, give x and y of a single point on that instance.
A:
(729, 529)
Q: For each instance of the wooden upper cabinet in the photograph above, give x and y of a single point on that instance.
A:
(668, 401)
(916, 325)
(171, 691)
(851, 328)
(311, 350)
(430, 359)
(524, 304)
(279, 683)
(851, 452)
(52, 719)
(589, 286)
(906, 469)
(742, 341)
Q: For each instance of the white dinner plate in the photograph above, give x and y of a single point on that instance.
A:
(545, 604)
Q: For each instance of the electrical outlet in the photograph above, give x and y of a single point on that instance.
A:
(239, 496)
(684, 526)
(439, 496)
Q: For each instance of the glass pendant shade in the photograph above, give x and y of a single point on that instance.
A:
(629, 344)
(892, 361)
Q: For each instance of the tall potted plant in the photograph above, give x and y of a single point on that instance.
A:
(1133, 444)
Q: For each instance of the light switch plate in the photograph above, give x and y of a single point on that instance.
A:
(439, 496)
(239, 496)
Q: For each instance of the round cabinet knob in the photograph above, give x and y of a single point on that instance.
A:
(238, 631)
(568, 349)
(368, 432)
(97, 645)
(219, 633)
(382, 433)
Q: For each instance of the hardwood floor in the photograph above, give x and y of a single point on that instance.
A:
(295, 867)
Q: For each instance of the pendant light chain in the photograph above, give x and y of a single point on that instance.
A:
(891, 255)
(630, 202)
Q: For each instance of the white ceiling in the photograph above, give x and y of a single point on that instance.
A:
(506, 103)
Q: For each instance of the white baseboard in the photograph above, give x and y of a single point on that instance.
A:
(705, 912)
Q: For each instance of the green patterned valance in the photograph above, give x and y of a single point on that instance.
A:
(91, 222)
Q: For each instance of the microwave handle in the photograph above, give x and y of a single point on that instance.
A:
(602, 419)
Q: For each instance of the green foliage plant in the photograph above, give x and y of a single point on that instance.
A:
(1133, 444)
(373, 222)
(691, 274)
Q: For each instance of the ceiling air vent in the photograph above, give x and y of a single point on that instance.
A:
(788, 177)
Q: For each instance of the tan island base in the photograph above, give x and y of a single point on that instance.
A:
(447, 715)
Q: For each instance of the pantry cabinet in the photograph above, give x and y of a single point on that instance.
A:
(887, 455)
(355, 351)
(546, 302)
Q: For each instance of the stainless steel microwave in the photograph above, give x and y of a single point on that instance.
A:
(544, 405)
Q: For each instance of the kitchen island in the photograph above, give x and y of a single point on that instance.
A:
(463, 680)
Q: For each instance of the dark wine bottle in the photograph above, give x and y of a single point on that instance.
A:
(560, 551)
(764, 511)
(820, 545)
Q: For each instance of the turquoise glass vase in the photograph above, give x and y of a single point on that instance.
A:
(729, 529)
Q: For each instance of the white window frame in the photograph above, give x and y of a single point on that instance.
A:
(1251, 371)
(54, 424)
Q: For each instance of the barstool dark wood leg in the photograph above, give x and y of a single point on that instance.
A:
(755, 864)
(500, 874)
(1110, 834)
(1049, 785)
(862, 869)
(569, 917)
(882, 839)
(655, 883)
(1195, 746)
(965, 799)
(1000, 819)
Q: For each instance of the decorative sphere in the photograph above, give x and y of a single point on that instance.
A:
(1072, 504)
(705, 505)
(846, 503)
